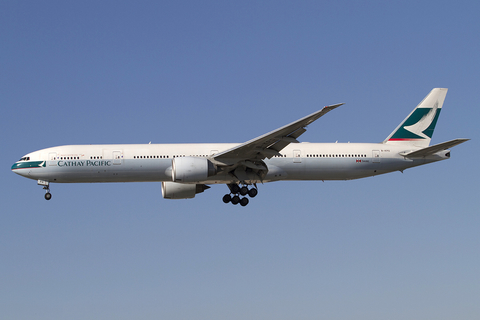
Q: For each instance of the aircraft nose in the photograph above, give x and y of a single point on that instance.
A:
(15, 166)
(19, 169)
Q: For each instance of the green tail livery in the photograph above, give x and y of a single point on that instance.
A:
(417, 128)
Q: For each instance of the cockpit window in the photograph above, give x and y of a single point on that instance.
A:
(24, 159)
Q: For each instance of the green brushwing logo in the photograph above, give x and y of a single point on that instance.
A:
(419, 125)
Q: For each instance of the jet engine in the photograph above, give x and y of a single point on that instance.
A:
(191, 169)
(174, 190)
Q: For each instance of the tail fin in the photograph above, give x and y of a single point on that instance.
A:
(417, 128)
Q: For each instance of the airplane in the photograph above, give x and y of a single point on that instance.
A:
(188, 169)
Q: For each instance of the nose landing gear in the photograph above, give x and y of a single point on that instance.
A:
(235, 191)
(46, 187)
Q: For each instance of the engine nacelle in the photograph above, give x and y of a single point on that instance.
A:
(191, 169)
(174, 190)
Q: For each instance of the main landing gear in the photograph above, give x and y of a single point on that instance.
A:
(46, 187)
(236, 191)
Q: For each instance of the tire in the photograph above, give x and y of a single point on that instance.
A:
(253, 193)
(244, 202)
(227, 198)
(235, 200)
(243, 191)
(235, 188)
(48, 196)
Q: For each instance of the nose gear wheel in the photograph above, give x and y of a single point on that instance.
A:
(46, 187)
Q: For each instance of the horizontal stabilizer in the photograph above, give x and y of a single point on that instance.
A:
(434, 149)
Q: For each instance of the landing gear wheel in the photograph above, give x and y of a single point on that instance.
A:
(227, 198)
(235, 200)
(235, 188)
(243, 191)
(244, 202)
(48, 196)
(239, 194)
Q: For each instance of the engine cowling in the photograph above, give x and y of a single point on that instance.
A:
(174, 190)
(191, 169)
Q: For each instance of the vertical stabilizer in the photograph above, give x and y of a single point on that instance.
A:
(417, 128)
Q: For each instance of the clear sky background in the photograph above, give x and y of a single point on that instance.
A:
(398, 246)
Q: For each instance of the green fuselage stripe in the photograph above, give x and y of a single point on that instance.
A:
(28, 164)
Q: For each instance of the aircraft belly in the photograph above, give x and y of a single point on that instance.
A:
(326, 169)
(337, 169)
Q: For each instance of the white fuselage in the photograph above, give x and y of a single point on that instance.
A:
(153, 162)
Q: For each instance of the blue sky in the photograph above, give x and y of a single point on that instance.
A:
(398, 246)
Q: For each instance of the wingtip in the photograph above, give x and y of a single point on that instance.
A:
(335, 105)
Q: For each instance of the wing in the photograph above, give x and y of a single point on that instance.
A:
(270, 144)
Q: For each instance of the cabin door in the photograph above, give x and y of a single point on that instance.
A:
(297, 156)
(117, 157)
(52, 157)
